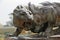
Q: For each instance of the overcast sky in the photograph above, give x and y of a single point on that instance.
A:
(7, 6)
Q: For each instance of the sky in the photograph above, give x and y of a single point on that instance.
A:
(7, 7)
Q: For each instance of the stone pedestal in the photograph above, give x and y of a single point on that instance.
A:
(23, 38)
(54, 37)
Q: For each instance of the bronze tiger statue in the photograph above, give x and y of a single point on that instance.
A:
(38, 19)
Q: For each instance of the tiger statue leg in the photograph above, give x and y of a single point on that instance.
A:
(41, 31)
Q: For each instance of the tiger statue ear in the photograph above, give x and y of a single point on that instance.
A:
(29, 5)
(19, 7)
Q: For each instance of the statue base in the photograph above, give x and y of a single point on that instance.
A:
(24, 38)
(54, 37)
